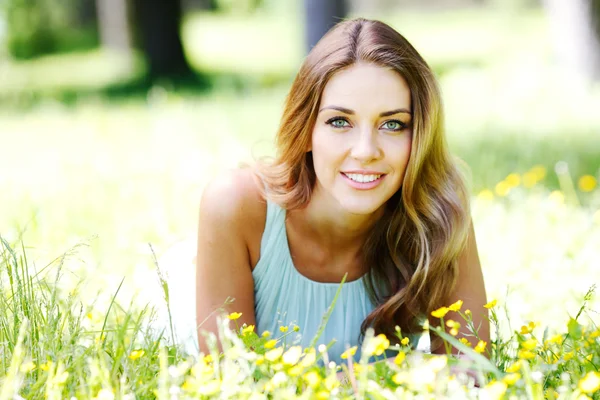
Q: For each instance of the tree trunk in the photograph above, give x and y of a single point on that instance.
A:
(576, 36)
(113, 24)
(320, 16)
(158, 24)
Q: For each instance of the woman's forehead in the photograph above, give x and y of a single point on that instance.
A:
(364, 87)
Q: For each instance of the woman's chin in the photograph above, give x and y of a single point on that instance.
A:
(361, 207)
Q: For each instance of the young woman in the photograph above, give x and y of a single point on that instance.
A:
(362, 185)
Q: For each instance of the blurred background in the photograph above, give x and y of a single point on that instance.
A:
(115, 113)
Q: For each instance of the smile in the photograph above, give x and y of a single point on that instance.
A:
(361, 181)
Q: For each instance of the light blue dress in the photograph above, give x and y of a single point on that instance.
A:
(285, 297)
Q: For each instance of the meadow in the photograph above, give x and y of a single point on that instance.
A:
(87, 182)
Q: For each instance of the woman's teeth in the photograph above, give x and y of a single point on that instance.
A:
(362, 178)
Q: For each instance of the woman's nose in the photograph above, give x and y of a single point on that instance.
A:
(366, 147)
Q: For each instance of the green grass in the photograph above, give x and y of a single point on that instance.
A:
(57, 344)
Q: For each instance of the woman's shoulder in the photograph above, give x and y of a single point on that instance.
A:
(234, 197)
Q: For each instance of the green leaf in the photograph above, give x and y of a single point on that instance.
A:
(574, 328)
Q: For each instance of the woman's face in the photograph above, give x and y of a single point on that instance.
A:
(362, 137)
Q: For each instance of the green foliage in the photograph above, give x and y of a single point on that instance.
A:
(38, 27)
(55, 346)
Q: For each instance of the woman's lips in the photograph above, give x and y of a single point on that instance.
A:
(363, 185)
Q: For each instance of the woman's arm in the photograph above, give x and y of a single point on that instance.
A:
(223, 264)
(470, 289)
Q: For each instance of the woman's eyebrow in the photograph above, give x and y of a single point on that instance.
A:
(351, 112)
(397, 111)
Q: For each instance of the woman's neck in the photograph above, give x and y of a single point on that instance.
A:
(336, 229)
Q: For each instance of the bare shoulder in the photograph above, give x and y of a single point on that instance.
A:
(234, 198)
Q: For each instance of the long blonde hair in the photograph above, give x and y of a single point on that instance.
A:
(413, 249)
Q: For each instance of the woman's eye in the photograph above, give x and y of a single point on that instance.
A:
(338, 123)
(394, 125)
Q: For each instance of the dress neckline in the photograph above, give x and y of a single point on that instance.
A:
(298, 273)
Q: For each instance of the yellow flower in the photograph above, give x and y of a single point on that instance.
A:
(292, 355)
(248, 329)
(514, 367)
(296, 328)
(590, 383)
(554, 339)
(529, 179)
(539, 171)
(349, 353)
(27, 367)
(465, 342)
(309, 358)
(269, 344)
(400, 378)
(234, 315)
(266, 334)
(480, 348)
(208, 358)
(188, 386)
(525, 354)
(467, 313)
(530, 344)
(136, 354)
(491, 304)
(587, 183)
(511, 379)
(357, 368)
(569, 356)
(312, 379)
(377, 345)
(295, 370)
(494, 390)
(381, 344)
(486, 195)
(46, 366)
(513, 180)
(437, 363)
(456, 306)
(323, 395)
(454, 327)
(283, 329)
(273, 355)
(440, 312)
(452, 324)
(400, 357)
(502, 189)
(405, 341)
(526, 329)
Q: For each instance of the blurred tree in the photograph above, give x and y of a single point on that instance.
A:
(575, 28)
(320, 16)
(158, 24)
